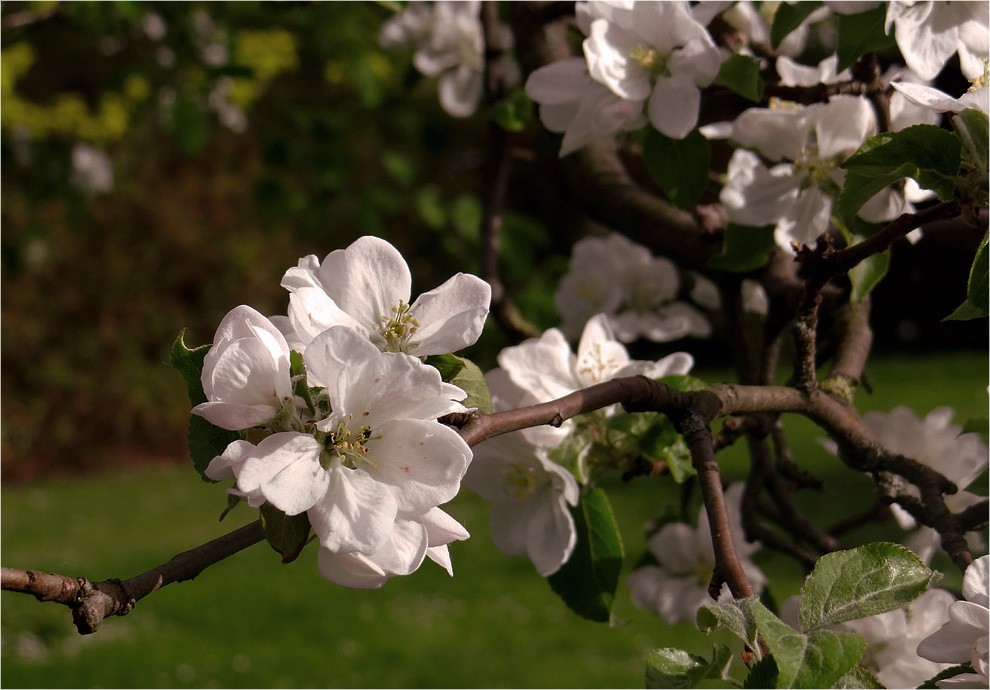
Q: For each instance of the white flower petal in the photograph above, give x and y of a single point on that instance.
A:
(674, 104)
(285, 469)
(356, 513)
(452, 315)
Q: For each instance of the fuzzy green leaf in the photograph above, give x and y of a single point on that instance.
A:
(977, 289)
(870, 579)
(470, 380)
(670, 667)
(867, 274)
(588, 580)
(449, 366)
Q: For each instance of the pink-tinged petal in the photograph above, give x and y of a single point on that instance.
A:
(400, 553)
(350, 570)
(221, 467)
(423, 461)
(285, 469)
(674, 105)
(367, 279)
(245, 373)
(550, 536)
(976, 582)
(234, 416)
(356, 513)
(543, 366)
(312, 311)
(452, 315)
(304, 274)
(441, 528)
(565, 81)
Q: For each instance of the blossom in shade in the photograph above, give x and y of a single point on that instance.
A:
(634, 289)
(653, 52)
(929, 33)
(367, 287)
(676, 586)
(964, 638)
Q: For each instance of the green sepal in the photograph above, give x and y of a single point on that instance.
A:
(662, 442)
(789, 17)
(287, 534)
(925, 153)
(741, 74)
(864, 581)
(678, 166)
(947, 673)
(232, 500)
(669, 667)
(859, 34)
(513, 112)
(977, 288)
(297, 370)
(588, 580)
(744, 248)
(205, 441)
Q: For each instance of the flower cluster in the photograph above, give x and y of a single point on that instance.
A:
(530, 492)
(637, 55)
(676, 585)
(341, 417)
(637, 291)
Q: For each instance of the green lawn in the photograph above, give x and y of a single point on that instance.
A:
(252, 622)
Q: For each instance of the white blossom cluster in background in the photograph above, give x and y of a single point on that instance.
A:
(357, 446)
(644, 63)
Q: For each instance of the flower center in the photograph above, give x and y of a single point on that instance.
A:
(641, 297)
(982, 80)
(594, 367)
(521, 480)
(817, 171)
(397, 329)
(651, 60)
(347, 444)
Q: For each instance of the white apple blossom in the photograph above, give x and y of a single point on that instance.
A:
(449, 40)
(964, 638)
(367, 286)
(547, 368)
(655, 52)
(636, 290)
(573, 103)
(796, 194)
(677, 585)
(246, 375)
(941, 102)
(92, 169)
(929, 33)
(529, 494)
(371, 472)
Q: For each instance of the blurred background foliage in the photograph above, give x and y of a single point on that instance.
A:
(164, 162)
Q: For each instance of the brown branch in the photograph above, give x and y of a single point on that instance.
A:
(91, 602)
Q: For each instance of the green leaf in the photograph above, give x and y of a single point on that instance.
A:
(205, 440)
(858, 677)
(449, 366)
(470, 380)
(513, 112)
(587, 581)
(978, 288)
(816, 660)
(867, 274)
(678, 166)
(571, 454)
(973, 128)
(287, 534)
(741, 74)
(744, 248)
(926, 153)
(861, 33)
(789, 17)
(670, 667)
(870, 579)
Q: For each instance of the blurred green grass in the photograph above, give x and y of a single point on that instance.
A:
(253, 622)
